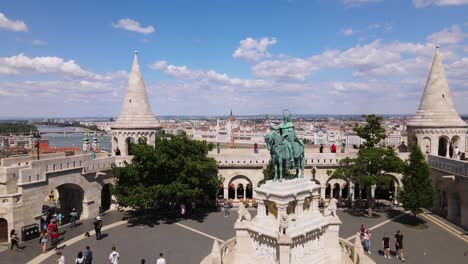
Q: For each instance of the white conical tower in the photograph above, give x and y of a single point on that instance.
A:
(136, 120)
(136, 110)
(437, 122)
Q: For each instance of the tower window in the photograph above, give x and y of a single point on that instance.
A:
(131, 99)
(443, 95)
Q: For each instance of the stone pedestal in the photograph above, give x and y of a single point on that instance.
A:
(288, 228)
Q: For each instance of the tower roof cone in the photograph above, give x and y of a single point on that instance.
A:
(436, 108)
(136, 110)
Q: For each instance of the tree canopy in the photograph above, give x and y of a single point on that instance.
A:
(176, 167)
(373, 163)
(418, 189)
(17, 128)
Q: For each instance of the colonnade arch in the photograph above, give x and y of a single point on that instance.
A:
(240, 187)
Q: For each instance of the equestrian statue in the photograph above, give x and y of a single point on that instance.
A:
(285, 147)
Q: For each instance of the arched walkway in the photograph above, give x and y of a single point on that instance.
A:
(64, 198)
(106, 197)
(426, 146)
(3, 230)
(128, 144)
(443, 145)
(240, 187)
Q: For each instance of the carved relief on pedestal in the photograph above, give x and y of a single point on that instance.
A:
(264, 247)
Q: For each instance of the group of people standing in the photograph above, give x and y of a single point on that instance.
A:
(366, 237)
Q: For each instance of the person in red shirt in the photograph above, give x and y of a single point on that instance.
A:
(54, 239)
(333, 148)
(51, 227)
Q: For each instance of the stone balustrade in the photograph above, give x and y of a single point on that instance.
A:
(348, 250)
(452, 166)
(37, 170)
(119, 160)
(228, 247)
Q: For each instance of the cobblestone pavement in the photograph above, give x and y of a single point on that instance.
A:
(187, 241)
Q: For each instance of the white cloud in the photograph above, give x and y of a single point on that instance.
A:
(132, 25)
(425, 3)
(11, 25)
(350, 3)
(347, 32)
(39, 42)
(253, 50)
(453, 35)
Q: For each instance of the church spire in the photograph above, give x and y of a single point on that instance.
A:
(136, 110)
(436, 108)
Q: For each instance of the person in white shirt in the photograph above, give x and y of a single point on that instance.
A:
(114, 256)
(161, 260)
(61, 258)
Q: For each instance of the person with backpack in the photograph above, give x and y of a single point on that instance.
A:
(88, 255)
(97, 227)
(73, 216)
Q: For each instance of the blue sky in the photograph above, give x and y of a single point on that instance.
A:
(62, 58)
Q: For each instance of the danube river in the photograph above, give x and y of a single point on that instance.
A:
(65, 137)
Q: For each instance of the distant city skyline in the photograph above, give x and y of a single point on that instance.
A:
(205, 58)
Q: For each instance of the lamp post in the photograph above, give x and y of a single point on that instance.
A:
(37, 139)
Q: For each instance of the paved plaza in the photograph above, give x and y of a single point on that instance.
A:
(190, 240)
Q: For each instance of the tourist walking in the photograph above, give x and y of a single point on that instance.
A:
(54, 239)
(88, 255)
(73, 216)
(226, 208)
(80, 259)
(386, 246)
(97, 227)
(61, 258)
(161, 260)
(14, 239)
(367, 240)
(59, 219)
(399, 245)
(114, 256)
(43, 241)
(362, 229)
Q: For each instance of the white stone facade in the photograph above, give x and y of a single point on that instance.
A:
(26, 182)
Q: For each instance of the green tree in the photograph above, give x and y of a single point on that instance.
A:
(418, 190)
(176, 167)
(17, 128)
(373, 163)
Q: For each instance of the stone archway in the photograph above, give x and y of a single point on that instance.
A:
(240, 191)
(115, 146)
(336, 191)
(239, 183)
(442, 148)
(106, 197)
(3, 230)
(455, 142)
(328, 191)
(232, 191)
(70, 196)
(128, 145)
(426, 145)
